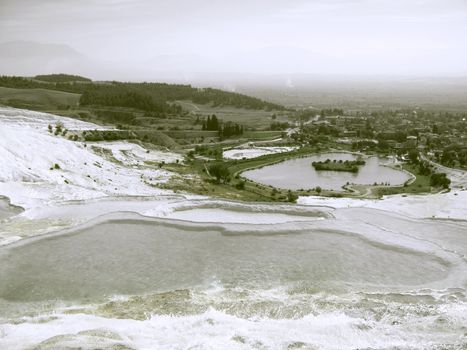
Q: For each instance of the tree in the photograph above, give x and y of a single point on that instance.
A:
(413, 156)
(439, 180)
(220, 171)
(214, 123)
(230, 129)
(240, 185)
(58, 128)
(291, 197)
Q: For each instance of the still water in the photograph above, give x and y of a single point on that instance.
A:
(298, 173)
(7, 210)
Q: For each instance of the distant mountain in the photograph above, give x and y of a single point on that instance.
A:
(32, 58)
(15, 49)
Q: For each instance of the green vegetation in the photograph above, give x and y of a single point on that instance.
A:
(454, 156)
(199, 182)
(151, 111)
(38, 99)
(61, 78)
(220, 171)
(426, 181)
(347, 165)
(203, 121)
(440, 180)
(215, 152)
(108, 135)
(231, 178)
(55, 167)
(251, 119)
(144, 96)
(211, 123)
(224, 98)
(421, 184)
(262, 135)
(121, 96)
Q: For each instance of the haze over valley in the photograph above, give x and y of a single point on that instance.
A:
(233, 175)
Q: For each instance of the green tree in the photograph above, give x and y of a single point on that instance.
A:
(413, 156)
(440, 180)
(291, 197)
(220, 171)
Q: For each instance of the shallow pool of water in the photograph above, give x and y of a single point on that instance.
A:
(7, 210)
(128, 257)
(298, 173)
(145, 284)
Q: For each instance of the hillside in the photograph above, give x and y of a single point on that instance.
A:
(61, 78)
(143, 96)
(168, 115)
(37, 98)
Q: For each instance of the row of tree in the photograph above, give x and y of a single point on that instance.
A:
(227, 129)
(211, 123)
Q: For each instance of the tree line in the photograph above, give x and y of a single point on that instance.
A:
(61, 78)
(227, 129)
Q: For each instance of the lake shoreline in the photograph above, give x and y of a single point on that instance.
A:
(312, 176)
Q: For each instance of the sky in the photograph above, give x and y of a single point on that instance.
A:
(384, 37)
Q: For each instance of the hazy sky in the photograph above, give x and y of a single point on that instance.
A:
(427, 37)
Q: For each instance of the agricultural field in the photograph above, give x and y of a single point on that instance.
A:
(254, 119)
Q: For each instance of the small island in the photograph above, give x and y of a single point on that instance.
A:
(339, 165)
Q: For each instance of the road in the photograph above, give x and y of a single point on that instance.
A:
(458, 177)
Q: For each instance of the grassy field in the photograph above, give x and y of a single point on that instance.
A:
(199, 182)
(262, 135)
(183, 129)
(252, 191)
(192, 179)
(38, 98)
(66, 104)
(419, 186)
(257, 119)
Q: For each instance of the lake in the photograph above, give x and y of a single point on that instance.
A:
(298, 173)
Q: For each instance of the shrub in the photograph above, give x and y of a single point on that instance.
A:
(291, 197)
(58, 128)
(439, 180)
(220, 171)
(240, 185)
